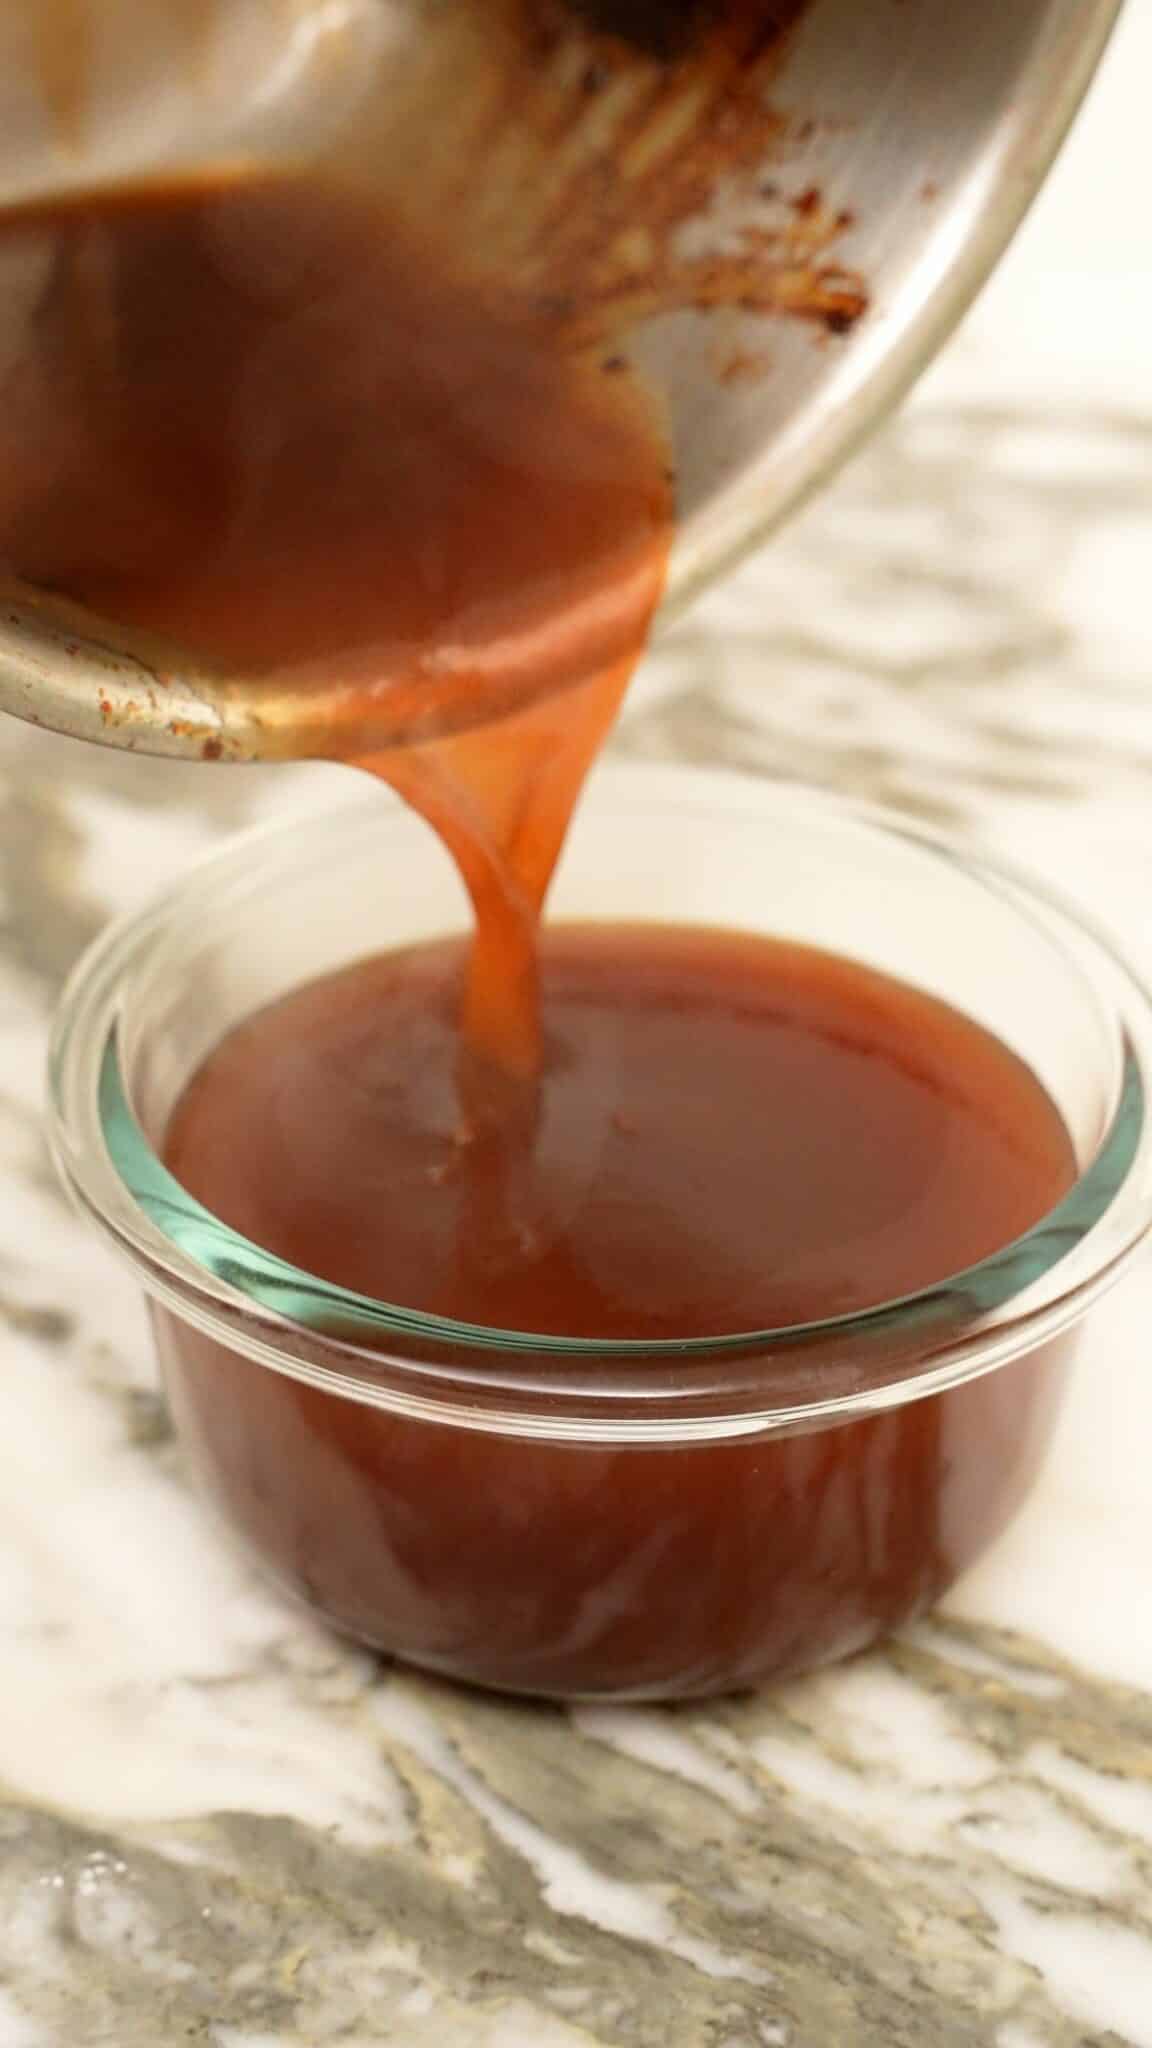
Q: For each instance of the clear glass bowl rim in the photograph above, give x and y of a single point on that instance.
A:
(520, 1384)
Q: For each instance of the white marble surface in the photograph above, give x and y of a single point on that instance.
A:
(220, 1827)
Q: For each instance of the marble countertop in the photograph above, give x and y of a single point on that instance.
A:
(222, 1827)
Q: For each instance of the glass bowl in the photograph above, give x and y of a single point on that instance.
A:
(562, 1517)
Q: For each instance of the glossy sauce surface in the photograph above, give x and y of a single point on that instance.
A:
(731, 1133)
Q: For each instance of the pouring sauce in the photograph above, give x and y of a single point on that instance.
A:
(251, 430)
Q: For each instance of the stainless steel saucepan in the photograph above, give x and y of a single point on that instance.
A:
(787, 206)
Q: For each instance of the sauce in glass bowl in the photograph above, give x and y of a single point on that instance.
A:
(732, 1134)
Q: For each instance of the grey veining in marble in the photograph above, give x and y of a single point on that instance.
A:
(847, 1859)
